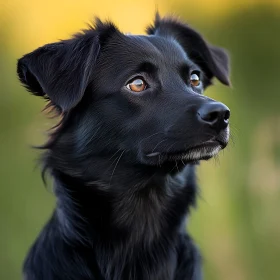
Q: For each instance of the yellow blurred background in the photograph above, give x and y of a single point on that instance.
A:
(236, 224)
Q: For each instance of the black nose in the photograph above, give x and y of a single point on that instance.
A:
(215, 114)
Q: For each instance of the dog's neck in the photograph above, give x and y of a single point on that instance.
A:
(119, 208)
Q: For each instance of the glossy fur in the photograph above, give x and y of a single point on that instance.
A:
(123, 163)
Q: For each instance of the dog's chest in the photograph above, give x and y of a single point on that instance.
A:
(159, 263)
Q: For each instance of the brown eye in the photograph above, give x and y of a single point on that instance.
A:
(195, 81)
(137, 85)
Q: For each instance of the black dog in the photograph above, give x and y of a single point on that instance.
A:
(134, 124)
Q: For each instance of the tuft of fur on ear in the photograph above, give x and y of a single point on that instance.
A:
(213, 60)
(105, 30)
(60, 72)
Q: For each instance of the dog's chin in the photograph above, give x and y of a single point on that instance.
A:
(205, 151)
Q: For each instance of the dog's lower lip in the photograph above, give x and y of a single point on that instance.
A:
(222, 143)
(210, 142)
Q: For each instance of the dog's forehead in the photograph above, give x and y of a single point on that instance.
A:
(168, 47)
(150, 47)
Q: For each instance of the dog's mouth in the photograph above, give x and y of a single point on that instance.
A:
(203, 151)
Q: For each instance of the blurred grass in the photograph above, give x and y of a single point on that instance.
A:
(237, 223)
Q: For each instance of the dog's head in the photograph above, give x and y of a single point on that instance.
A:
(139, 96)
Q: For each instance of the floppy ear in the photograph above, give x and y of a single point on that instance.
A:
(60, 71)
(214, 61)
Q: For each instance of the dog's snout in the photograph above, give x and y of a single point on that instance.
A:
(215, 114)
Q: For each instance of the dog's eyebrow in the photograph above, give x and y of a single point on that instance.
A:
(186, 67)
(148, 67)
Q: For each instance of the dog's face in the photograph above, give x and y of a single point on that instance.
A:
(139, 96)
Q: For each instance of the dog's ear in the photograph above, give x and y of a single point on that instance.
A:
(214, 61)
(60, 71)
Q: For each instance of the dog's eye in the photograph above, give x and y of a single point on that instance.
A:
(195, 80)
(137, 85)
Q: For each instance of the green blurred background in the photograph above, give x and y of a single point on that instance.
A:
(237, 222)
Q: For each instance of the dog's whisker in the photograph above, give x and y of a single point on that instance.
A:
(114, 154)
(174, 166)
(158, 144)
(149, 136)
(115, 167)
(177, 165)
(171, 146)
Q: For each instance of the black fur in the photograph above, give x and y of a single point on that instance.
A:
(123, 163)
